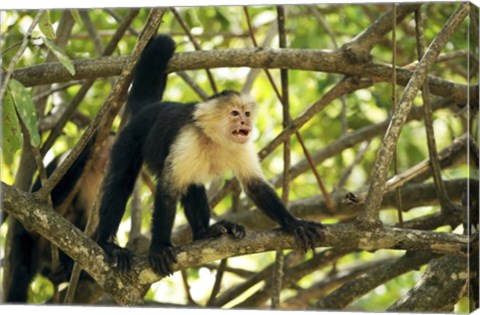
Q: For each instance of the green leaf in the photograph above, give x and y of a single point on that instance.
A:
(76, 16)
(45, 25)
(11, 131)
(61, 56)
(26, 110)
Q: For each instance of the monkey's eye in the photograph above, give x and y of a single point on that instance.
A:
(235, 113)
(247, 114)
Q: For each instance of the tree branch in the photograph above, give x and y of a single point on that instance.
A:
(360, 47)
(346, 294)
(315, 208)
(288, 58)
(380, 170)
(428, 295)
(36, 216)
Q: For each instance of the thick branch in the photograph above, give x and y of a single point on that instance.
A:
(38, 217)
(314, 208)
(289, 58)
(346, 294)
(361, 45)
(301, 300)
(428, 295)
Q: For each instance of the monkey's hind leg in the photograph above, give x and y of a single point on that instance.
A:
(197, 211)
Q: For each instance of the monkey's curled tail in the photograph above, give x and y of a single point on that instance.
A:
(150, 77)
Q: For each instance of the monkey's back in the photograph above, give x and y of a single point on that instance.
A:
(156, 127)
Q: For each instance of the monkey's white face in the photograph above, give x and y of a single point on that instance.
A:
(240, 123)
(226, 120)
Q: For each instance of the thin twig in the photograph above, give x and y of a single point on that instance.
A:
(196, 45)
(186, 287)
(358, 157)
(294, 273)
(264, 274)
(349, 140)
(394, 108)
(218, 281)
(120, 20)
(432, 147)
(19, 53)
(87, 22)
(278, 270)
(318, 16)
(195, 87)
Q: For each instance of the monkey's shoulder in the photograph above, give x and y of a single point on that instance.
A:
(157, 126)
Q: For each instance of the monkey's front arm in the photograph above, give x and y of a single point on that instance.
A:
(265, 198)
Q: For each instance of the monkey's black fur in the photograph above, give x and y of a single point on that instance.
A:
(153, 129)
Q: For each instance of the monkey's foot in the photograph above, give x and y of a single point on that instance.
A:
(161, 259)
(226, 227)
(119, 256)
(306, 233)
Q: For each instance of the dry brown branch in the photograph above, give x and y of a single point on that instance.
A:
(427, 295)
(343, 296)
(38, 217)
(288, 58)
(380, 170)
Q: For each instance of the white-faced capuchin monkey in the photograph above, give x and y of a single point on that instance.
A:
(185, 146)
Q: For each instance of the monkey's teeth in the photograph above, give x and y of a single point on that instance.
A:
(241, 133)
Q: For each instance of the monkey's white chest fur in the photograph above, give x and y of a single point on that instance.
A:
(195, 159)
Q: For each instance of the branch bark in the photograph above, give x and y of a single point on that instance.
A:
(36, 216)
(346, 294)
(315, 208)
(360, 47)
(428, 295)
(288, 58)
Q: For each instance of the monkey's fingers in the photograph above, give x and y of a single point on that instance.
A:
(315, 229)
(237, 231)
(307, 233)
(162, 261)
(123, 260)
(301, 238)
(226, 227)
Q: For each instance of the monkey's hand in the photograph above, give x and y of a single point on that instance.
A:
(162, 258)
(119, 256)
(226, 227)
(305, 232)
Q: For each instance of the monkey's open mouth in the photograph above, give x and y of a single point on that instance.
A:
(241, 133)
